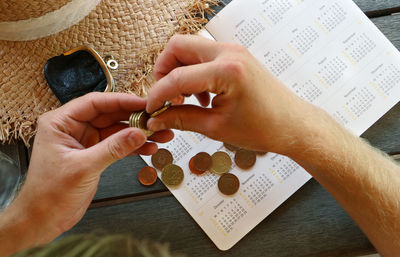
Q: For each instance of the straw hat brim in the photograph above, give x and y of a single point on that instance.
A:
(133, 32)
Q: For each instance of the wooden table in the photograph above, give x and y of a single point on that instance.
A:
(310, 223)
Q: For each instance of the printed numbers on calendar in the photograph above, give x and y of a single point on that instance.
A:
(331, 70)
(274, 10)
(201, 185)
(387, 77)
(358, 101)
(229, 215)
(331, 17)
(303, 40)
(248, 31)
(358, 46)
(278, 61)
(308, 90)
(257, 188)
(180, 148)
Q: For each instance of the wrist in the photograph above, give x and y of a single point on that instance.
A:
(23, 225)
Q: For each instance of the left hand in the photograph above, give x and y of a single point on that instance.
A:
(73, 146)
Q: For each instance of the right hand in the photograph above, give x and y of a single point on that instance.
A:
(252, 109)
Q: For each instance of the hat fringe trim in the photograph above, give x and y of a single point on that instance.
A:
(23, 126)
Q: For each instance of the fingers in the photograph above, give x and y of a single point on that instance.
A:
(88, 107)
(194, 79)
(108, 119)
(113, 148)
(184, 50)
(185, 117)
(146, 149)
(162, 136)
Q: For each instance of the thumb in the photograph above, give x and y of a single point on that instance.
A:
(114, 148)
(184, 117)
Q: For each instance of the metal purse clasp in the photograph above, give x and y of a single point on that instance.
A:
(110, 63)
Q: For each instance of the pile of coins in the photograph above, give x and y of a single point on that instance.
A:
(139, 119)
(219, 163)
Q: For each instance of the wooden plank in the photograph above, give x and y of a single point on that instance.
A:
(365, 5)
(372, 5)
(310, 223)
(120, 179)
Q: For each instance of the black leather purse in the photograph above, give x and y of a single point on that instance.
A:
(78, 72)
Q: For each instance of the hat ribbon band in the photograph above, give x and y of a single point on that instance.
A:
(48, 24)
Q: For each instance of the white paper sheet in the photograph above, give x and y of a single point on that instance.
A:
(327, 52)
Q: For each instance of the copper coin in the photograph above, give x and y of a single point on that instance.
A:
(147, 176)
(193, 169)
(161, 158)
(202, 161)
(172, 175)
(228, 184)
(261, 153)
(231, 148)
(245, 159)
(221, 163)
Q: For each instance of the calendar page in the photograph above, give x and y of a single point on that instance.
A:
(327, 52)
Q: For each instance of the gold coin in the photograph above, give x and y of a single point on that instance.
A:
(228, 184)
(221, 163)
(245, 159)
(161, 158)
(172, 175)
(161, 110)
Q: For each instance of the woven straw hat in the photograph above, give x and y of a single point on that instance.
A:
(32, 31)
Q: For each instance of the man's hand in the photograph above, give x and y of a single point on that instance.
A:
(73, 146)
(249, 100)
(252, 109)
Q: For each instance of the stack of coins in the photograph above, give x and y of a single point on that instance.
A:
(139, 119)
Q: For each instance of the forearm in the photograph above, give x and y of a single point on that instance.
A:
(362, 179)
(22, 226)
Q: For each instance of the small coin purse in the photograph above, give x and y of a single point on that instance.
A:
(78, 72)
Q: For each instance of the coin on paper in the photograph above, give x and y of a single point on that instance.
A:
(202, 161)
(161, 158)
(231, 148)
(172, 175)
(221, 163)
(193, 169)
(147, 176)
(261, 153)
(245, 159)
(228, 184)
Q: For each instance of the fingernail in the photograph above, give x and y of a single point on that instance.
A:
(155, 125)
